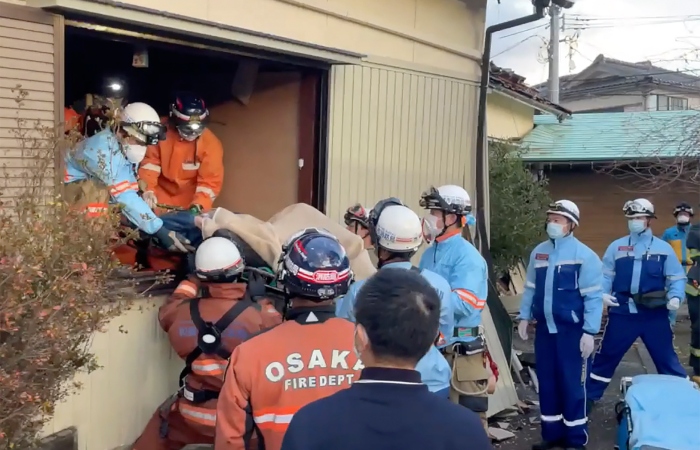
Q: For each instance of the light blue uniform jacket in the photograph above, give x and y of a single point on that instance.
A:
(461, 264)
(433, 367)
(100, 157)
(563, 286)
(638, 264)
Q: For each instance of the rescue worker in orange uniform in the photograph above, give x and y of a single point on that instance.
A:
(186, 169)
(205, 320)
(309, 356)
(72, 120)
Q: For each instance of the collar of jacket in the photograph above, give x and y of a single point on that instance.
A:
(310, 314)
(641, 238)
(683, 227)
(562, 241)
(229, 291)
(398, 265)
(387, 375)
(449, 235)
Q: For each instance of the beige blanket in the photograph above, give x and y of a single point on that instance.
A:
(266, 238)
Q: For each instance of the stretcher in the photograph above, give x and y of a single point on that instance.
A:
(658, 412)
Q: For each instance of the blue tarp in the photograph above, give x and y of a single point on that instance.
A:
(665, 412)
(183, 222)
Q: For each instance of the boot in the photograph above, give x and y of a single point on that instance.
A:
(546, 445)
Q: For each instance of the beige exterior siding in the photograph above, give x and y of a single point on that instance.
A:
(139, 371)
(439, 34)
(507, 118)
(394, 133)
(27, 62)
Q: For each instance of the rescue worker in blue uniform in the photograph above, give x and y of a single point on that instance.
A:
(396, 236)
(461, 264)
(642, 280)
(563, 294)
(102, 169)
(677, 236)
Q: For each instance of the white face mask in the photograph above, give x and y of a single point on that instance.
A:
(135, 153)
(636, 225)
(555, 230)
(430, 228)
(682, 219)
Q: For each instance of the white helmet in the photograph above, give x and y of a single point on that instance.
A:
(142, 122)
(399, 229)
(449, 198)
(218, 259)
(640, 207)
(565, 208)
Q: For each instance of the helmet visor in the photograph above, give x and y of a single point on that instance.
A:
(633, 208)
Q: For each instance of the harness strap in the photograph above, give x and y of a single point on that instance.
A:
(215, 330)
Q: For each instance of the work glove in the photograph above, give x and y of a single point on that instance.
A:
(587, 345)
(609, 300)
(673, 304)
(522, 329)
(256, 285)
(173, 241)
(150, 198)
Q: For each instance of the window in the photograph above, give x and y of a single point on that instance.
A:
(666, 103)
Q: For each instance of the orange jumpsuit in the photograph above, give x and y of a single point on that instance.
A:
(273, 375)
(183, 173)
(73, 120)
(191, 416)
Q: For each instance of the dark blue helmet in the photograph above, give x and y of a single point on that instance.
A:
(314, 266)
(189, 115)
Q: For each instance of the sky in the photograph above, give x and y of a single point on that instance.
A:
(665, 32)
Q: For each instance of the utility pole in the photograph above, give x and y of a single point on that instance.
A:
(553, 82)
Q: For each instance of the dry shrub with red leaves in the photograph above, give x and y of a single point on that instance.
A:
(55, 288)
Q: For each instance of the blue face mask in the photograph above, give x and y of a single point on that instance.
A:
(471, 220)
(555, 230)
(636, 225)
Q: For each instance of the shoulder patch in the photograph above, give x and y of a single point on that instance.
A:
(541, 257)
(625, 248)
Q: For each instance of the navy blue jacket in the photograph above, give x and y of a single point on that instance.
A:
(386, 409)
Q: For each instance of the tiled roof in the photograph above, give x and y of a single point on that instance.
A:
(505, 79)
(630, 72)
(613, 136)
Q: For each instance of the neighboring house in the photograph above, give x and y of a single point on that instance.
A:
(578, 156)
(511, 105)
(611, 85)
(324, 102)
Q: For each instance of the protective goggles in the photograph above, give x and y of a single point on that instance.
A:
(633, 208)
(431, 199)
(356, 214)
(685, 209)
(557, 208)
(149, 133)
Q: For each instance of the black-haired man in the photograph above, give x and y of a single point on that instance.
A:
(397, 314)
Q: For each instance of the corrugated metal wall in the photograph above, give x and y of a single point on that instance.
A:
(26, 59)
(394, 133)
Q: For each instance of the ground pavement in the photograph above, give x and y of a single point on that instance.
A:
(602, 425)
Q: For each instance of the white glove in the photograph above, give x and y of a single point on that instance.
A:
(587, 345)
(150, 198)
(673, 304)
(609, 300)
(522, 329)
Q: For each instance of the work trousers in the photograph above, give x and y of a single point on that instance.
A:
(179, 434)
(694, 312)
(561, 375)
(654, 328)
